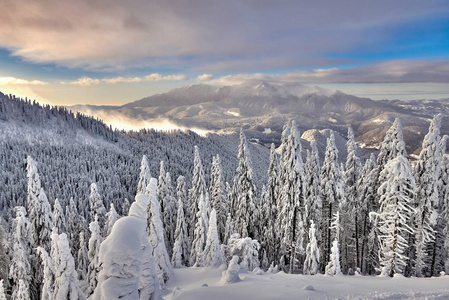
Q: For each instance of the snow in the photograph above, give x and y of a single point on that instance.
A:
(267, 130)
(233, 113)
(204, 283)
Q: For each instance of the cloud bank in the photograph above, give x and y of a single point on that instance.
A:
(87, 81)
(205, 35)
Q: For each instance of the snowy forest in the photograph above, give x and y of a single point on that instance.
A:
(119, 231)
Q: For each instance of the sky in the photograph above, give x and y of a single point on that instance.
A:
(111, 52)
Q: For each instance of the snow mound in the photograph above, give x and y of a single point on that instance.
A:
(308, 288)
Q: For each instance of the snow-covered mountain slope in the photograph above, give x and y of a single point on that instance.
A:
(73, 151)
(262, 108)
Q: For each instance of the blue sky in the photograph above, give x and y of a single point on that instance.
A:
(113, 52)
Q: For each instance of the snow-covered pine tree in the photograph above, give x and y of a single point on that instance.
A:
(332, 192)
(111, 218)
(96, 207)
(312, 175)
(397, 191)
(48, 282)
(40, 213)
(312, 260)
(144, 177)
(149, 285)
(181, 194)
(59, 217)
(93, 251)
(350, 208)
(181, 249)
(198, 188)
(270, 207)
(229, 230)
(212, 256)
(20, 272)
(233, 195)
(427, 171)
(73, 223)
(333, 266)
(170, 214)
(4, 252)
(156, 234)
(199, 237)
(218, 196)
(66, 283)
(82, 263)
(247, 214)
(368, 260)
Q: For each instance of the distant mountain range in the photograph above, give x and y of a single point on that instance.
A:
(262, 108)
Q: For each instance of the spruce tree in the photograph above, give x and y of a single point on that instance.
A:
(199, 237)
(73, 223)
(96, 207)
(218, 196)
(20, 272)
(111, 218)
(332, 192)
(156, 234)
(247, 214)
(312, 260)
(397, 192)
(144, 177)
(427, 169)
(350, 208)
(312, 177)
(59, 217)
(82, 262)
(181, 249)
(198, 188)
(212, 256)
(93, 252)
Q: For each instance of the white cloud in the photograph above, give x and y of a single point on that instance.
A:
(4, 81)
(87, 81)
(205, 77)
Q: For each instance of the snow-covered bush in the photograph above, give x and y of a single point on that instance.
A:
(246, 249)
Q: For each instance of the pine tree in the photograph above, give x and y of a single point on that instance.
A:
(350, 208)
(156, 234)
(59, 217)
(20, 269)
(39, 209)
(4, 252)
(96, 206)
(48, 282)
(125, 207)
(82, 262)
(170, 210)
(94, 249)
(212, 256)
(144, 177)
(247, 214)
(181, 194)
(229, 230)
(73, 222)
(332, 192)
(112, 217)
(427, 169)
(217, 195)
(312, 261)
(397, 192)
(313, 203)
(198, 189)
(367, 259)
(270, 207)
(66, 283)
(199, 237)
(181, 249)
(333, 266)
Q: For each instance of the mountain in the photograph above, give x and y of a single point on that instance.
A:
(262, 108)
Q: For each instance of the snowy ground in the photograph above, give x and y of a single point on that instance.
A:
(200, 283)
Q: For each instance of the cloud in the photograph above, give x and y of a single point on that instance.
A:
(205, 77)
(234, 35)
(17, 81)
(87, 81)
(394, 71)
